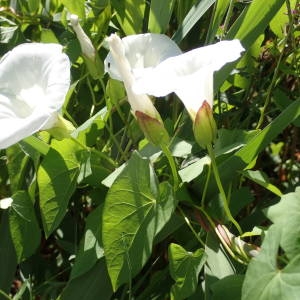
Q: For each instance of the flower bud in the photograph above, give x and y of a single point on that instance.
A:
(205, 128)
(153, 129)
(61, 129)
(89, 53)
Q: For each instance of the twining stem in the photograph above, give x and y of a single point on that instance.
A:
(187, 221)
(228, 16)
(221, 189)
(172, 164)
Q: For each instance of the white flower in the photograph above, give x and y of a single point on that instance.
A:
(34, 79)
(142, 51)
(6, 203)
(189, 75)
(131, 56)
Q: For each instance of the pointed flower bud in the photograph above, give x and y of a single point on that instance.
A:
(89, 52)
(205, 128)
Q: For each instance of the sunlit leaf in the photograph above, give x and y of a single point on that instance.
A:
(160, 14)
(286, 214)
(130, 219)
(264, 280)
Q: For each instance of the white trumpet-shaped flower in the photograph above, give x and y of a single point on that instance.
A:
(132, 55)
(34, 80)
(189, 75)
(129, 56)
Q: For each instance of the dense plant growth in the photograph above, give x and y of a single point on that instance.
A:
(149, 171)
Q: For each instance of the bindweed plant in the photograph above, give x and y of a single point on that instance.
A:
(149, 149)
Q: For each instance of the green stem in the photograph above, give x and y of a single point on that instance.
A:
(206, 186)
(228, 16)
(221, 189)
(274, 78)
(96, 152)
(187, 221)
(5, 295)
(172, 164)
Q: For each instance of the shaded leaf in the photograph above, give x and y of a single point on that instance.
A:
(261, 178)
(23, 225)
(193, 16)
(91, 248)
(94, 284)
(229, 287)
(57, 177)
(184, 268)
(8, 258)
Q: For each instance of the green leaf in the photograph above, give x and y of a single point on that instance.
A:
(130, 15)
(264, 280)
(18, 163)
(75, 7)
(165, 206)
(239, 161)
(281, 20)
(254, 22)
(130, 218)
(193, 16)
(91, 248)
(23, 225)
(193, 170)
(184, 268)
(218, 264)
(220, 10)
(247, 28)
(286, 214)
(57, 177)
(160, 14)
(8, 258)
(261, 178)
(229, 287)
(94, 284)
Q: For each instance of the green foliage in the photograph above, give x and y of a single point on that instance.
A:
(23, 226)
(57, 177)
(264, 280)
(104, 214)
(134, 211)
(185, 267)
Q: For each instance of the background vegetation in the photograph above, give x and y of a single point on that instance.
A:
(69, 233)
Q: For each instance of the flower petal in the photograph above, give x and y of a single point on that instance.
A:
(143, 51)
(34, 79)
(6, 203)
(189, 75)
(140, 102)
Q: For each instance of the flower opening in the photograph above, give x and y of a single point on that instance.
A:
(34, 80)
